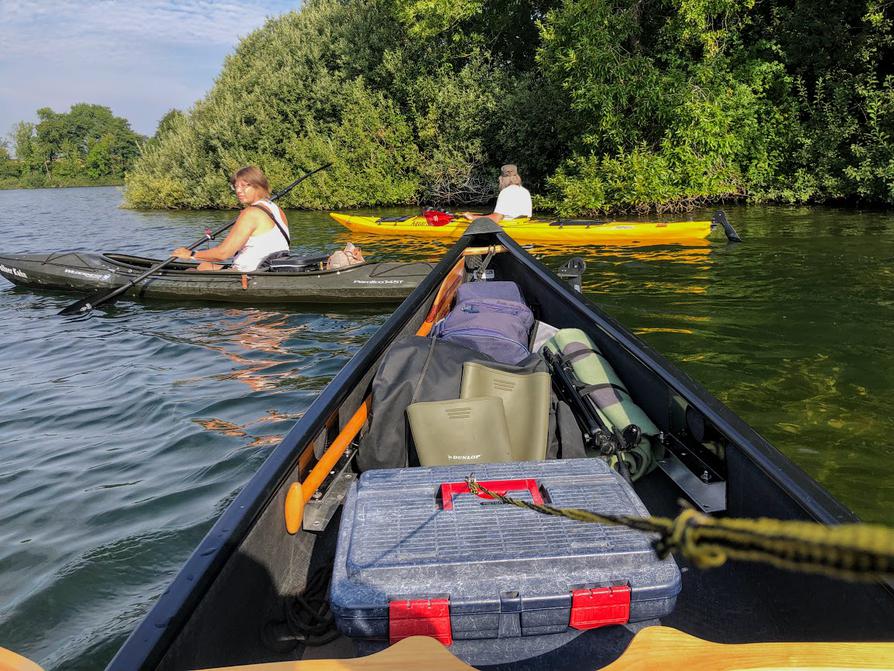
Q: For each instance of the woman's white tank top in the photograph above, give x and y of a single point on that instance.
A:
(259, 247)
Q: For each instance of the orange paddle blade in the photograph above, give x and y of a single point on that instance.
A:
(10, 661)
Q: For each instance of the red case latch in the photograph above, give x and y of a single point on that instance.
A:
(451, 489)
(591, 608)
(420, 617)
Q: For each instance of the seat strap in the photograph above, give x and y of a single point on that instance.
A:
(279, 226)
(588, 388)
(579, 354)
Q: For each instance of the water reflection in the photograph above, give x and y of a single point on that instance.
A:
(221, 426)
(256, 344)
(251, 333)
(153, 404)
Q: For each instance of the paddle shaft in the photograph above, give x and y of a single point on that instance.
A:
(298, 495)
(334, 452)
(87, 304)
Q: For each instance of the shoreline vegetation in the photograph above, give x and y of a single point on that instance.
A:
(606, 106)
(86, 146)
(10, 184)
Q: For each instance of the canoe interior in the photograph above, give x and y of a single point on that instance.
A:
(219, 608)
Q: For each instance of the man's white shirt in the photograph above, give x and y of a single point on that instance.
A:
(513, 202)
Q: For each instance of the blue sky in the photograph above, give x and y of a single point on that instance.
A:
(138, 57)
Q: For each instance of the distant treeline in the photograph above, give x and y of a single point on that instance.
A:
(603, 104)
(85, 146)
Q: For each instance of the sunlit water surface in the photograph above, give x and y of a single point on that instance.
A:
(124, 435)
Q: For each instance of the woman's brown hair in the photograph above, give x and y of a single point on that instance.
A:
(253, 175)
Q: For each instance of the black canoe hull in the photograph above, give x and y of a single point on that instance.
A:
(245, 569)
(86, 272)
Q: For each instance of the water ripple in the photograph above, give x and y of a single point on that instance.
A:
(124, 434)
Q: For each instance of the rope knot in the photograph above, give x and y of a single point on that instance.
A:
(684, 533)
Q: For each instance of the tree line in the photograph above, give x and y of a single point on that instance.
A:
(85, 146)
(605, 105)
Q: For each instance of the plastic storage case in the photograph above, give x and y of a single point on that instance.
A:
(417, 554)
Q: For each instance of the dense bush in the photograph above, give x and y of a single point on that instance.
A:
(604, 104)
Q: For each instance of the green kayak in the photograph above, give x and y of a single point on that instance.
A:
(301, 282)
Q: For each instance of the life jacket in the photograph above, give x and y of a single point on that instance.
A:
(437, 218)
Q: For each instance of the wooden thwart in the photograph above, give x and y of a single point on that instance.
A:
(671, 650)
(653, 648)
(419, 653)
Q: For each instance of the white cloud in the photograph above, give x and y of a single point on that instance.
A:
(28, 26)
(139, 58)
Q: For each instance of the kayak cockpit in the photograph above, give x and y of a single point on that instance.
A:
(290, 264)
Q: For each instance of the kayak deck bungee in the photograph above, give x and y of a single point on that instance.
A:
(370, 282)
(557, 231)
(237, 598)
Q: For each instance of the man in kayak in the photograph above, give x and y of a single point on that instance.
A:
(514, 200)
(261, 230)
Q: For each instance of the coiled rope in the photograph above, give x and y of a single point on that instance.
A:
(858, 552)
(308, 619)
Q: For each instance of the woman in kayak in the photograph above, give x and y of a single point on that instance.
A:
(514, 200)
(261, 229)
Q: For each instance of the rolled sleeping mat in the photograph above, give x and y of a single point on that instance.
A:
(608, 394)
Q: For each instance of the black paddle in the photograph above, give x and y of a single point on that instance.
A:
(720, 218)
(85, 305)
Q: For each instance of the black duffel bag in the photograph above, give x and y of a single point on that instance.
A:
(429, 369)
(284, 262)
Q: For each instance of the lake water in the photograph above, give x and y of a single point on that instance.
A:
(125, 434)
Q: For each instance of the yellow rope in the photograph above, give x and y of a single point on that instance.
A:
(849, 551)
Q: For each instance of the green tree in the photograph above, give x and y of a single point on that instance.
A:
(33, 170)
(87, 143)
(168, 122)
(604, 105)
(49, 134)
(68, 163)
(9, 167)
(98, 161)
(286, 100)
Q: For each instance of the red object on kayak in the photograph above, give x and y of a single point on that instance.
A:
(437, 218)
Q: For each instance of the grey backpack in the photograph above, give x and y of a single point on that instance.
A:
(492, 318)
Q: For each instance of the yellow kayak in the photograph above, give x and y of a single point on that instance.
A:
(572, 231)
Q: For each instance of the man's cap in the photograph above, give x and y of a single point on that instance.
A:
(509, 170)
